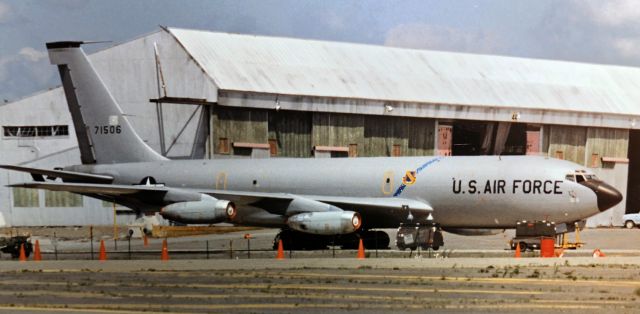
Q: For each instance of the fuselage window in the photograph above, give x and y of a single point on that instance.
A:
(579, 178)
(570, 177)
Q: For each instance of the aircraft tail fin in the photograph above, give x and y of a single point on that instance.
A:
(104, 133)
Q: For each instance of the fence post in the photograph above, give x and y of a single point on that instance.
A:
(207, 249)
(91, 240)
(55, 245)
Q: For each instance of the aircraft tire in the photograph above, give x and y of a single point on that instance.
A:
(375, 240)
(294, 240)
(523, 246)
(349, 241)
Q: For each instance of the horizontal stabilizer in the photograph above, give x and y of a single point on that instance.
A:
(69, 176)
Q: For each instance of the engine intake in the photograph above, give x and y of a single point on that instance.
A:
(326, 223)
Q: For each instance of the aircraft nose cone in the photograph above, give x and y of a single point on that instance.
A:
(608, 196)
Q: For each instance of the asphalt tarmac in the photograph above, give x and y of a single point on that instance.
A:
(469, 279)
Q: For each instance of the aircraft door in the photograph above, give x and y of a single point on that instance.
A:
(221, 181)
(387, 182)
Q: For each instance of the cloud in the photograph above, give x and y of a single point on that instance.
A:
(612, 12)
(613, 26)
(627, 47)
(424, 36)
(24, 72)
(31, 54)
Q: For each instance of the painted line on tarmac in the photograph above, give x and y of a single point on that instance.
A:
(276, 286)
(283, 295)
(538, 281)
(274, 306)
(62, 309)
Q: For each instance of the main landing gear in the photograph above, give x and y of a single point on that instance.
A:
(414, 235)
(295, 240)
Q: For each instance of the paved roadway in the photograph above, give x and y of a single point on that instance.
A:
(316, 283)
(321, 285)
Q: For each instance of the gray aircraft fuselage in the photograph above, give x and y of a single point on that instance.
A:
(465, 192)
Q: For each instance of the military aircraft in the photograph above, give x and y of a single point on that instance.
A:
(314, 201)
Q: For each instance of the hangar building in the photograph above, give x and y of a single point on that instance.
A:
(199, 94)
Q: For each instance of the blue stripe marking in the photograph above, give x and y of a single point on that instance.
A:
(424, 166)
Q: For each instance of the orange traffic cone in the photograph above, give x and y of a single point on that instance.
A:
(36, 254)
(165, 251)
(360, 250)
(518, 250)
(146, 242)
(23, 257)
(280, 254)
(103, 252)
(598, 253)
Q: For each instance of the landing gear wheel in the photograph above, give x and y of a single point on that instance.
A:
(523, 246)
(294, 240)
(629, 224)
(375, 240)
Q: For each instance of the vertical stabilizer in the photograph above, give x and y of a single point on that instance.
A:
(103, 131)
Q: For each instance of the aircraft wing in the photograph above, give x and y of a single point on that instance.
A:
(275, 203)
(38, 174)
(88, 188)
(250, 198)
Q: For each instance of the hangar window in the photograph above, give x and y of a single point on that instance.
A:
(223, 145)
(273, 147)
(36, 131)
(397, 151)
(353, 150)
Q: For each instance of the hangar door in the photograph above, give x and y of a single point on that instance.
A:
(633, 183)
(471, 138)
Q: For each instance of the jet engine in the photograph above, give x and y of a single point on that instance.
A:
(326, 223)
(205, 211)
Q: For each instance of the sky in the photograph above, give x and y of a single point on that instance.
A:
(594, 31)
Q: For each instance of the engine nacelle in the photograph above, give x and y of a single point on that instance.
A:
(326, 223)
(205, 211)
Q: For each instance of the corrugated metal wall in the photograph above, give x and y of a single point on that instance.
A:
(297, 132)
(62, 199)
(606, 143)
(566, 142)
(25, 197)
(414, 136)
(336, 129)
(585, 145)
(239, 125)
(291, 131)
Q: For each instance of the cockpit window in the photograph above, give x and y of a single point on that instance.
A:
(580, 176)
